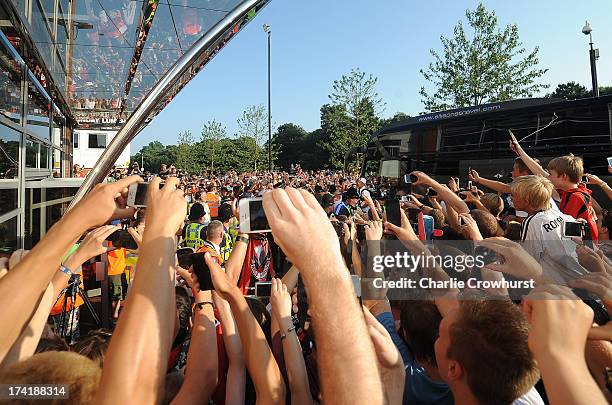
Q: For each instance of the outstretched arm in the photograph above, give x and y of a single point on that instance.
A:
(148, 318)
(97, 208)
(257, 354)
(294, 214)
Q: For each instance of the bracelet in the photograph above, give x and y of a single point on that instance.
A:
(284, 335)
(200, 305)
(66, 270)
(242, 239)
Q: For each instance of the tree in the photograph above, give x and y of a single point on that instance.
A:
(399, 116)
(490, 66)
(570, 91)
(290, 138)
(252, 124)
(337, 129)
(351, 91)
(212, 133)
(154, 154)
(185, 158)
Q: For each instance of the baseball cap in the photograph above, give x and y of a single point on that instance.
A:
(363, 180)
(196, 212)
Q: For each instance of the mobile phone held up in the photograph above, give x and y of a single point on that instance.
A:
(263, 289)
(202, 272)
(137, 194)
(573, 229)
(252, 216)
(392, 207)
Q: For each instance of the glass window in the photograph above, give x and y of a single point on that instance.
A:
(41, 32)
(44, 157)
(9, 152)
(8, 235)
(57, 162)
(97, 141)
(31, 153)
(75, 140)
(10, 88)
(38, 113)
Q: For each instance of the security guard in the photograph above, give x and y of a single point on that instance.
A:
(195, 232)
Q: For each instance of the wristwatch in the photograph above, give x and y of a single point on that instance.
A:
(200, 305)
(241, 238)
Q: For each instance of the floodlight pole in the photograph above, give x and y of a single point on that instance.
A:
(267, 29)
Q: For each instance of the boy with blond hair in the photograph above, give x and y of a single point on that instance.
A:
(565, 173)
(542, 231)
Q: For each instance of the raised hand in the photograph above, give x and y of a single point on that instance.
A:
(166, 207)
(516, 261)
(93, 244)
(374, 230)
(104, 203)
(280, 300)
(404, 232)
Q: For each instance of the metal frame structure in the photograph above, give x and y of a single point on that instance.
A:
(150, 105)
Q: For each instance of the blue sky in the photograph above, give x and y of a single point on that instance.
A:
(314, 42)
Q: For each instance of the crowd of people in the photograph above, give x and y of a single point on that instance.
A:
(181, 335)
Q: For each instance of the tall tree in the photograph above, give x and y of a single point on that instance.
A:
(212, 133)
(489, 66)
(252, 123)
(290, 140)
(570, 91)
(185, 158)
(351, 91)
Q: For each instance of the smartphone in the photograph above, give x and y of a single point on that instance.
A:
(572, 229)
(469, 185)
(356, 285)
(431, 192)
(404, 198)
(393, 212)
(252, 216)
(263, 289)
(137, 194)
(610, 161)
(585, 179)
(202, 272)
(122, 239)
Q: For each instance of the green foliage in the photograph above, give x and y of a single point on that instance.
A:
(490, 66)
(573, 91)
(186, 157)
(398, 117)
(253, 124)
(212, 134)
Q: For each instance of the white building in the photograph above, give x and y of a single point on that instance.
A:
(89, 144)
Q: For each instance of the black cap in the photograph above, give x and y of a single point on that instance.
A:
(327, 200)
(352, 193)
(196, 212)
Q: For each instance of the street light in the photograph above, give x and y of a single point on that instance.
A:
(594, 55)
(268, 31)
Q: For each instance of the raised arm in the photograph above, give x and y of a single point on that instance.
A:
(559, 350)
(233, 266)
(236, 372)
(38, 267)
(492, 184)
(529, 162)
(292, 351)
(259, 360)
(293, 215)
(202, 359)
(444, 193)
(148, 318)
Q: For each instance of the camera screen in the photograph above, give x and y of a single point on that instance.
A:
(141, 194)
(258, 220)
(263, 289)
(393, 212)
(573, 229)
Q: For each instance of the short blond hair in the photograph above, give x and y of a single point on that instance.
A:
(570, 165)
(493, 203)
(535, 190)
(81, 374)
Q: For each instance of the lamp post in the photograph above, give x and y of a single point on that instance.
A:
(594, 55)
(268, 31)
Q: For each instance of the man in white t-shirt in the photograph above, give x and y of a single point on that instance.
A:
(542, 230)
